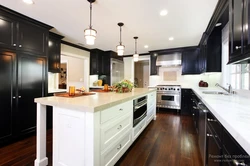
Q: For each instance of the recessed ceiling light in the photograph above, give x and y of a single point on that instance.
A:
(163, 12)
(218, 24)
(28, 2)
(146, 46)
(171, 38)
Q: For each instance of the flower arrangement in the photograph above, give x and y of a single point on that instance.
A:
(123, 86)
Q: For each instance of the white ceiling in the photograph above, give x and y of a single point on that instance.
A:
(186, 21)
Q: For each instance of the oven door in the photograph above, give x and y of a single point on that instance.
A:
(169, 100)
(139, 114)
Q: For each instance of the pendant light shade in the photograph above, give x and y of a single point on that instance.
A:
(89, 33)
(120, 48)
(136, 56)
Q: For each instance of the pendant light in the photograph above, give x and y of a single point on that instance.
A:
(89, 33)
(136, 56)
(120, 48)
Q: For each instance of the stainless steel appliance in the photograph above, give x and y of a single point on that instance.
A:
(140, 110)
(169, 96)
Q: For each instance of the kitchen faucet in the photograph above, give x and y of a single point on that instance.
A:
(229, 90)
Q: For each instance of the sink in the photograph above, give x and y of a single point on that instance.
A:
(215, 92)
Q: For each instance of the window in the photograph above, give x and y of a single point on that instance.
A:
(240, 76)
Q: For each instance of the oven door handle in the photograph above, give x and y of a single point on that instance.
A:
(139, 106)
(142, 116)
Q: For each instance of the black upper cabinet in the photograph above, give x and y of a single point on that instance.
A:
(213, 51)
(7, 32)
(54, 52)
(239, 41)
(21, 33)
(190, 63)
(153, 67)
(96, 58)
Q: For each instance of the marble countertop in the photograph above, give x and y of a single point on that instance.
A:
(56, 90)
(233, 112)
(93, 103)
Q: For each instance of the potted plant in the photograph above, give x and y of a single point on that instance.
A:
(123, 86)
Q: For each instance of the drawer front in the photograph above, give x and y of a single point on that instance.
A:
(138, 129)
(113, 153)
(214, 124)
(116, 111)
(152, 96)
(110, 131)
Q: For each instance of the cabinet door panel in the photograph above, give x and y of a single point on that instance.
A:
(7, 32)
(31, 81)
(190, 61)
(236, 30)
(31, 38)
(54, 56)
(7, 89)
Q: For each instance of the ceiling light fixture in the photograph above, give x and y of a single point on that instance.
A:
(29, 2)
(171, 38)
(89, 33)
(146, 46)
(136, 56)
(120, 48)
(163, 12)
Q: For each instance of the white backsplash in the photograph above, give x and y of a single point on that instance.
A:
(184, 80)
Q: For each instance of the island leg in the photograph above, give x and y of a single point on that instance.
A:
(41, 159)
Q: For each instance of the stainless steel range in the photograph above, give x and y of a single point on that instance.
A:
(169, 96)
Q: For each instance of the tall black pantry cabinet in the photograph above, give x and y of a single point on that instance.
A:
(23, 72)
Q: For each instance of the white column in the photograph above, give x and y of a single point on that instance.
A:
(41, 159)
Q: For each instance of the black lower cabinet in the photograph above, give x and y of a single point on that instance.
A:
(186, 103)
(7, 90)
(23, 78)
(214, 155)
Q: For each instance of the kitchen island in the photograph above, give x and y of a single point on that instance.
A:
(91, 130)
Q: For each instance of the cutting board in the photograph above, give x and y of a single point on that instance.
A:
(76, 94)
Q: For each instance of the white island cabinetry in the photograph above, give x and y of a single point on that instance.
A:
(91, 130)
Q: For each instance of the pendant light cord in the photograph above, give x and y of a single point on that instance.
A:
(90, 26)
(135, 46)
(120, 35)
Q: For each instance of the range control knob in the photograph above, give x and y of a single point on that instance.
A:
(174, 88)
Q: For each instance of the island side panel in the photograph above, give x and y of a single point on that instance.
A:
(73, 134)
(41, 159)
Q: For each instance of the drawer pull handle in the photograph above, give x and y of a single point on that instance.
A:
(119, 147)
(195, 107)
(211, 120)
(119, 127)
(120, 109)
(237, 163)
(14, 45)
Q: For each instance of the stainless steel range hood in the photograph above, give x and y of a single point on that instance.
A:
(169, 60)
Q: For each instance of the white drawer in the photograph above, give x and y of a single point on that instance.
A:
(112, 130)
(138, 129)
(150, 114)
(113, 153)
(152, 96)
(116, 111)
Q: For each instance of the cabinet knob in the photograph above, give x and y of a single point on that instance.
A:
(19, 97)
(20, 45)
(14, 45)
(120, 126)
(14, 97)
(119, 147)
(209, 135)
(237, 163)
(120, 109)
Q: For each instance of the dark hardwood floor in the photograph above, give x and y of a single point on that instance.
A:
(169, 141)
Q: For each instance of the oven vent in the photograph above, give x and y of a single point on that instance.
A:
(169, 60)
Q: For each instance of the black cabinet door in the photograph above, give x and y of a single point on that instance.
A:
(54, 54)
(190, 63)
(7, 32)
(202, 58)
(186, 102)
(213, 154)
(236, 28)
(32, 38)
(153, 67)
(96, 62)
(31, 84)
(7, 93)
